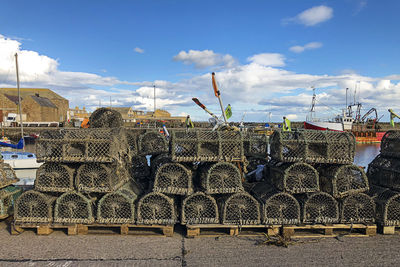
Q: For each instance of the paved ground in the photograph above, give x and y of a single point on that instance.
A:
(58, 249)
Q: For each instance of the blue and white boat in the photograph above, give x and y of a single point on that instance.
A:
(24, 164)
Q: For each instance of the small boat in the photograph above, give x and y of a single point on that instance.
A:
(21, 160)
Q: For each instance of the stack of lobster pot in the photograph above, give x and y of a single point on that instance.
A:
(384, 176)
(311, 179)
(8, 192)
(216, 193)
(84, 178)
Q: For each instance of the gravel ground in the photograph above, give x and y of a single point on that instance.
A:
(58, 249)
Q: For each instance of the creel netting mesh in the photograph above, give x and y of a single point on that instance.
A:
(8, 197)
(255, 144)
(119, 206)
(220, 178)
(174, 179)
(156, 208)
(152, 143)
(206, 146)
(82, 145)
(54, 177)
(132, 136)
(384, 171)
(73, 207)
(319, 207)
(387, 206)
(239, 209)
(390, 144)
(279, 208)
(105, 118)
(7, 175)
(357, 208)
(34, 207)
(139, 168)
(252, 165)
(293, 178)
(199, 208)
(313, 146)
(157, 161)
(100, 177)
(342, 180)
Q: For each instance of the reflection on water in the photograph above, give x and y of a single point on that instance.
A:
(365, 153)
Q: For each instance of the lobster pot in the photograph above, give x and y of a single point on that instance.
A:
(343, 180)
(387, 206)
(34, 207)
(8, 196)
(241, 209)
(132, 137)
(319, 207)
(158, 161)
(221, 178)
(206, 146)
(294, 178)
(390, 144)
(173, 178)
(156, 208)
(7, 175)
(199, 208)
(357, 208)
(118, 207)
(383, 171)
(54, 177)
(101, 178)
(139, 167)
(105, 118)
(82, 145)
(73, 207)
(152, 143)
(280, 208)
(313, 146)
(255, 145)
(256, 168)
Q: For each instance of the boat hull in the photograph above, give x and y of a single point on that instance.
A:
(323, 126)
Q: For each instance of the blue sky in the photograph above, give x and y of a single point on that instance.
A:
(266, 54)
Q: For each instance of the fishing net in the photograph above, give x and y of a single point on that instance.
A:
(390, 144)
(152, 143)
(255, 145)
(173, 178)
(100, 177)
(387, 206)
(343, 180)
(118, 207)
(357, 208)
(82, 145)
(105, 118)
(206, 146)
(132, 136)
(240, 208)
(294, 178)
(139, 168)
(73, 207)
(8, 196)
(156, 208)
(220, 178)
(256, 169)
(313, 146)
(34, 207)
(319, 207)
(158, 161)
(54, 177)
(199, 208)
(384, 171)
(7, 175)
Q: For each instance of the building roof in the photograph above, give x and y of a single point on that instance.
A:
(13, 98)
(122, 110)
(43, 92)
(43, 101)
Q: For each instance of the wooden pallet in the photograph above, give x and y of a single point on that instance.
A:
(84, 229)
(388, 230)
(332, 230)
(213, 230)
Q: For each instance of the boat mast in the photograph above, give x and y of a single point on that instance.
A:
(19, 101)
(312, 110)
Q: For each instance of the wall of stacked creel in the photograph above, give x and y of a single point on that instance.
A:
(384, 176)
(311, 179)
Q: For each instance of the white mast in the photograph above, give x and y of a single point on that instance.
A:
(19, 101)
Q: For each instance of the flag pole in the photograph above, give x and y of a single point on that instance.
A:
(218, 95)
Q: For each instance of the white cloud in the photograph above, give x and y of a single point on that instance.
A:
(205, 59)
(268, 59)
(312, 16)
(138, 50)
(309, 46)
